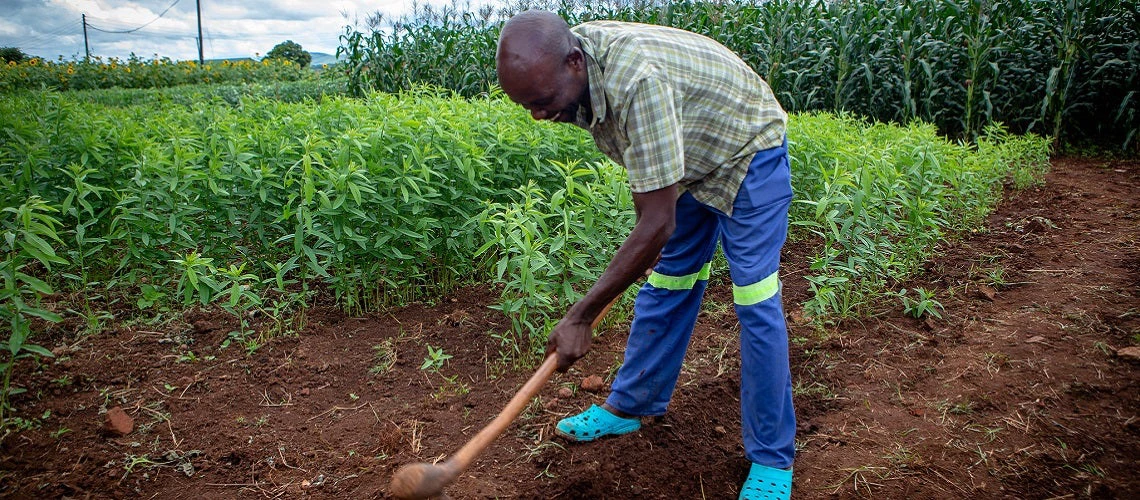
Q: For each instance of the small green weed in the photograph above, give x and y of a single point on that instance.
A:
(131, 462)
(813, 390)
(990, 433)
(450, 388)
(921, 306)
(996, 276)
(435, 359)
(1102, 347)
(384, 357)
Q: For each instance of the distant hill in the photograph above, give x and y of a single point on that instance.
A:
(230, 59)
(320, 58)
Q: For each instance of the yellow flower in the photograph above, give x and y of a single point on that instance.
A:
(70, 71)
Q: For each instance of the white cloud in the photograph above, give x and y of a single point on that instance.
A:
(231, 28)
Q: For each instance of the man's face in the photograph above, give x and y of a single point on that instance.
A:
(550, 90)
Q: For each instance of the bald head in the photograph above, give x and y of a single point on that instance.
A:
(541, 65)
(532, 37)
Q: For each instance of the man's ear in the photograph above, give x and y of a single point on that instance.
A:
(576, 59)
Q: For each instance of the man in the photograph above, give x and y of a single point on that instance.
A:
(702, 138)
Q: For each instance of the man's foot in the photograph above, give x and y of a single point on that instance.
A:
(594, 423)
(767, 483)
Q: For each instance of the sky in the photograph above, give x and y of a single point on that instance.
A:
(231, 28)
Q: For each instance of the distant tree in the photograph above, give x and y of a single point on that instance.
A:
(292, 51)
(9, 54)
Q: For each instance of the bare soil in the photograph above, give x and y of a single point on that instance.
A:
(1022, 389)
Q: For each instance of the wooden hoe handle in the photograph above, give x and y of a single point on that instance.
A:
(477, 444)
(421, 480)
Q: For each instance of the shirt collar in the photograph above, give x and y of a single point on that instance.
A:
(596, 89)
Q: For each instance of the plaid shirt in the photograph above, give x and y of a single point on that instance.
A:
(676, 107)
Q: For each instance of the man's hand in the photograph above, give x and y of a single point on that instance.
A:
(572, 336)
(570, 339)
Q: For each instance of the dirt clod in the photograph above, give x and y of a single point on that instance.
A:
(593, 383)
(565, 393)
(798, 316)
(317, 482)
(1129, 353)
(117, 422)
(459, 317)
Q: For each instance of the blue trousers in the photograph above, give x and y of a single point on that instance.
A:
(666, 308)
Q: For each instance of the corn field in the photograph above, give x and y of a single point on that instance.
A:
(1066, 69)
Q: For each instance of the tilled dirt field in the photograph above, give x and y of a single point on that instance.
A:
(1027, 387)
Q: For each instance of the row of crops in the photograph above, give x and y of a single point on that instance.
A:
(1065, 68)
(137, 73)
(255, 205)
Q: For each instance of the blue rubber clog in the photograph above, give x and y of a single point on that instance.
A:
(594, 423)
(767, 483)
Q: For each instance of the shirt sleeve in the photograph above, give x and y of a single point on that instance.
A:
(655, 156)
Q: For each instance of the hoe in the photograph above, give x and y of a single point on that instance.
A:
(423, 480)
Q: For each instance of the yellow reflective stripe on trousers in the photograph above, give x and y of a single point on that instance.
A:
(686, 282)
(757, 292)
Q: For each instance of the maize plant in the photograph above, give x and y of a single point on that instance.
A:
(1065, 69)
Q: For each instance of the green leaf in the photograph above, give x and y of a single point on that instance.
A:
(35, 283)
(46, 258)
(40, 350)
(16, 339)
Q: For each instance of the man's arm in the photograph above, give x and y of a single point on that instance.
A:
(656, 219)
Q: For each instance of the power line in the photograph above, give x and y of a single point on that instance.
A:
(140, 27)
(156, 32)
(48, 37)
(120, 27)
(59, 31)
(66, 34)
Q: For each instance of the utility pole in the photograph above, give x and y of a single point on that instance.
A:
(86, 47)
(201, 60)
